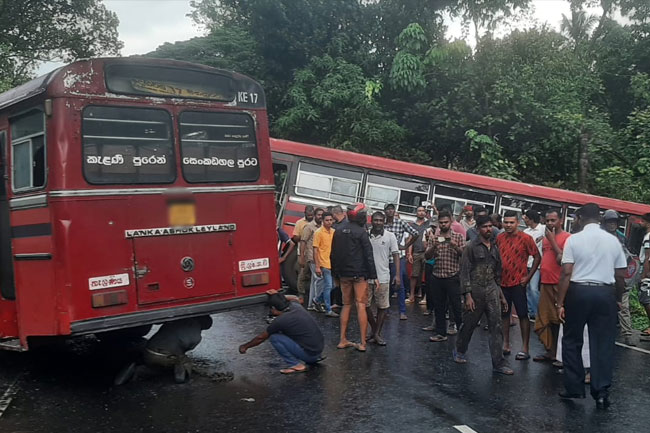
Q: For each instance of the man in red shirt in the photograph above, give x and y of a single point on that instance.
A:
(515, 247)
(547, 323)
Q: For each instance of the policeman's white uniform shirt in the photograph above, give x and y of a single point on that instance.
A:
(594, 254)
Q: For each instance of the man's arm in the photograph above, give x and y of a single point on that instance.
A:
(254, 342)
(369, 258)
(398, 278)
(619, 277)
(465, 270)
(563, 287)
(536, 261)
(287, 251)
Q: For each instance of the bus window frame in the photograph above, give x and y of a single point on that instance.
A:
(370, 183)
(466, 201)
(138, 107)
(329, 198)
(21, 140)
(180, 145)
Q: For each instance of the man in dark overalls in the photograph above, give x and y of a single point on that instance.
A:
(480, 274)
(166, 349)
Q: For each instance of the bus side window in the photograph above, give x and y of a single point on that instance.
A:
(408, 194)
(28, 150)
(330, 183)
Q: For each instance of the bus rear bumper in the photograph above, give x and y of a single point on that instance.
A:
(164, 315)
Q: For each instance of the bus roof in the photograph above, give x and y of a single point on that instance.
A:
(456, 177)
(241, 84)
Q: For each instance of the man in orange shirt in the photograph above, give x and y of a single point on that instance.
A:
(515, 247)
(547, 322)
(322, 249)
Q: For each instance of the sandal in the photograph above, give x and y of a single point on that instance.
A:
(294, 369)
(459, 357)
(522, 356)
(543, 358)
(437, 338)
(346, 345)
(360, 348)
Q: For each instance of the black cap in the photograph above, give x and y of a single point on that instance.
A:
(388, 205)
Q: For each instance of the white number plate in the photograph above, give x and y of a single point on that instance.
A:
(251, 265)
(107, 281)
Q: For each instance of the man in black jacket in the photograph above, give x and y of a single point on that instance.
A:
(352, 262)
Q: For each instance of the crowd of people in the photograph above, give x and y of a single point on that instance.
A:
(478, 270)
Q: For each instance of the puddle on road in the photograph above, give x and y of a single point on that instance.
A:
(211, 369)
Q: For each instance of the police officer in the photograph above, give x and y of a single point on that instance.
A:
(591, 284)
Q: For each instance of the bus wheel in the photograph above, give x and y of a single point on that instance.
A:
(124, 335)
(289, 271)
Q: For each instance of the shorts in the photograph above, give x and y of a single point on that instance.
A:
(378, 294)
(418, 265)
(644, 292)
(354, 287)
(516, 295)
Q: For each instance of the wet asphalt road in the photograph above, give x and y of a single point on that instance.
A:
(409, 386)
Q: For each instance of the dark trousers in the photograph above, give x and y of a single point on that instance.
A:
(487, 302)
(446, 291)
(428, 286)
(596, 307)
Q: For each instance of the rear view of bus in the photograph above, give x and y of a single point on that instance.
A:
(136, 191)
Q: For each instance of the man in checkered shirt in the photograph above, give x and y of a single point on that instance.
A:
(446, 247)
(398, 227)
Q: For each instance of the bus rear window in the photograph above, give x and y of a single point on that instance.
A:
(126, 145)
(218, 147)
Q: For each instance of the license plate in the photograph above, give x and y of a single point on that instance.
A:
(182, 214)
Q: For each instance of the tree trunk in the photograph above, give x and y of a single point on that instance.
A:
(583, 160)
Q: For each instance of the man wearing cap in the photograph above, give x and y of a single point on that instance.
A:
(591, 284)
(610, 225)
(398, 227)
(294, 334)
(468, 221)
(353, 263)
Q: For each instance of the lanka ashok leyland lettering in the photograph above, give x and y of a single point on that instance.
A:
(135, 191)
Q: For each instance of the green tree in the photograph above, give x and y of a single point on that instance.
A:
(332, 103)
(33, 31)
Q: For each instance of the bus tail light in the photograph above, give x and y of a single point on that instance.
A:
(109, 299)
(255, 279)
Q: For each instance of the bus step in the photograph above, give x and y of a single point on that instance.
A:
(12, 344)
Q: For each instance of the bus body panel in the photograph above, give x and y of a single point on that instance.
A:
(77, 268)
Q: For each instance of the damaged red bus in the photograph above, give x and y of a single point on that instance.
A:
(135, 191)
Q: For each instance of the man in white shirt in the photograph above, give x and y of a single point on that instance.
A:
(537, 231)
(591, 285)
(384, 247)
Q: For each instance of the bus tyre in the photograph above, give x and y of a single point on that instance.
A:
(289, 271)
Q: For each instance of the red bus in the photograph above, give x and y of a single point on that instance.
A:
(322, 176)
(135, 191)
